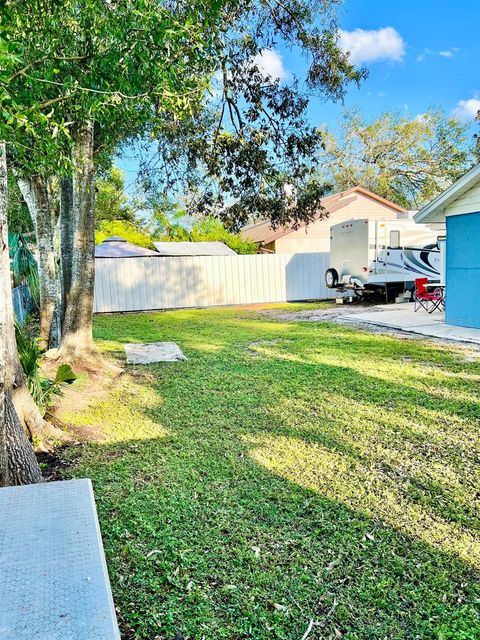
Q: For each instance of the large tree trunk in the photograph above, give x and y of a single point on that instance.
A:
(66, 239)
(78, 256)
(21, 462)
(40, 431)
(4, 481)
(36, 195)
(3, 431)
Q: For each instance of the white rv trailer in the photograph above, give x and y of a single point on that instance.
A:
(379, 254)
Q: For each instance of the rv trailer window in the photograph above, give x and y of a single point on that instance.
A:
(394, 239)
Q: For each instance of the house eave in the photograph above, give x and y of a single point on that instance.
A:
(434, 211)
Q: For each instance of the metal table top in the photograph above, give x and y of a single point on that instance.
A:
(53, 577)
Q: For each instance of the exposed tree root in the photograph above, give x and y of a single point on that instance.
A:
(85, 358)
(22, 464)
(44, 435)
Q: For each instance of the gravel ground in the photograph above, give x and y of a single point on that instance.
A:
(337, 315)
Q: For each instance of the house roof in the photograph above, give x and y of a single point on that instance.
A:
(434, 211)
(193, 249)
(263, 233)
(117, 247)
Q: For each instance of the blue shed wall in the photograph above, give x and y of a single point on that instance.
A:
(463, 270)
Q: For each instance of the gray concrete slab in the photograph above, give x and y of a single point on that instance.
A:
(54, 582)
(153, 352)
(402, 317)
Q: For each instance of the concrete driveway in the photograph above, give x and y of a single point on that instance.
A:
(402, 317)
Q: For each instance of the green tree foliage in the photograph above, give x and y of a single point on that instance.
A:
(132, 232)
(407, 160)
(250, 135)
(111, 202)
(23, 265)
(476, 137)
(43, 389)
(171, 222)
(114, 214)
(115, 63)
(212, 230)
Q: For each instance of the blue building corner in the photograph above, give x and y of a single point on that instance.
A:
(463, 270)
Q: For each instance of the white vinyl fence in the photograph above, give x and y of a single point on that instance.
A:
(151, 282)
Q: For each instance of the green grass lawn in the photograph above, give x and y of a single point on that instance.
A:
(321, 473)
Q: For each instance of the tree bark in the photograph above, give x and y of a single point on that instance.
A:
(66, 239)
(4, 481)
(21, 462)
(35, 192)
(39, 430)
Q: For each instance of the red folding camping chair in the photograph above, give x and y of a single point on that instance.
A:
(425, 299)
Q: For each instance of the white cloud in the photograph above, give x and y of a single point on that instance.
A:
(270, 64)
(446, 53)
(449, 53)
(373, 46)
(466, 109)
(423, 117)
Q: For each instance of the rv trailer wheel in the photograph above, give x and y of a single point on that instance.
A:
(331, 278)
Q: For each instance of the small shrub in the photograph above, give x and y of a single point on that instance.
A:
(212, 230)
(43, 389)
(126, 230)
(23, 265)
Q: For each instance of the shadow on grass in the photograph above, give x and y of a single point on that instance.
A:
(247, 497)
(204, 540)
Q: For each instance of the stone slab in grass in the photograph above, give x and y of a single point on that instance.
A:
(153, 352)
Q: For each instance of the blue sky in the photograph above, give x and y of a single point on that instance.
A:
(419, 53)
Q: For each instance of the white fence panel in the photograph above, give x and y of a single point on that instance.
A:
(151, 282)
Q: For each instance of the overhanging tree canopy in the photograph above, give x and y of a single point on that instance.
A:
(406, 160)
(250, 136)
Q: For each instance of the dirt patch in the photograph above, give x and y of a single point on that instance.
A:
(89, 387)
(77, 396)
(87, 433)
(472, 357)
(106, 367)
(316, 315)
(54, 464)
(338, 315)
(142, 375)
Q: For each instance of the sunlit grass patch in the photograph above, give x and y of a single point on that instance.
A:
(287, 472)
(368, 488)
(121, 414)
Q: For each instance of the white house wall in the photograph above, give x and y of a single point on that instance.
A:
(148, 283)
(468, 202)
(306, 243)
(316, 237)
